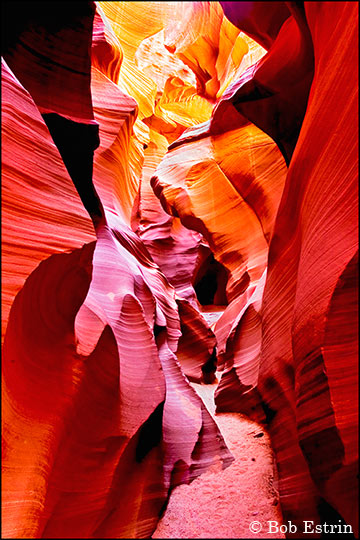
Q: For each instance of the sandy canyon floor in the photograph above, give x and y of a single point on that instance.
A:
(229, 503)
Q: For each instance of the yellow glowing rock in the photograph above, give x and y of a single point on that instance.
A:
(178, 108)
(227, 187)
(210, 45)
(131, 24)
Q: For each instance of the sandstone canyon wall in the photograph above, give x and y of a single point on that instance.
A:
(147, 147)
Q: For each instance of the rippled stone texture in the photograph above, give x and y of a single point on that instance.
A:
(99, 421)
(274, 361)
(311, 259)
(213, 182)
(239, 335)
(41, 210)
(103, 332)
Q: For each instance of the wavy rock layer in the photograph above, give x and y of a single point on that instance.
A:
(311, 273)
(239, 336)
(318, 242)
(33, 178)
(99, 421)
(106, 433)
(212, 182)
(273, 355)
(273, 93)
(102, 333)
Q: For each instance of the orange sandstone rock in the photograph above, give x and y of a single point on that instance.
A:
(42, 213)
(311, 284)
(214, 182)
(99, 421)
(101, 333)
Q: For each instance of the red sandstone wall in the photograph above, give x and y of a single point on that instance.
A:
(102, 330)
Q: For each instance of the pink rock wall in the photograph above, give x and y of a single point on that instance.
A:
(215, 146)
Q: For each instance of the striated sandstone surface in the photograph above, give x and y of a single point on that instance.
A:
(312, 253)
(94, 401)
(225, 173)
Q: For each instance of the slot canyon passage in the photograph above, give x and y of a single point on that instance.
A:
(179, 269)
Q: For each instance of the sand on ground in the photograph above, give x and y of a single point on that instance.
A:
(238, 502)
